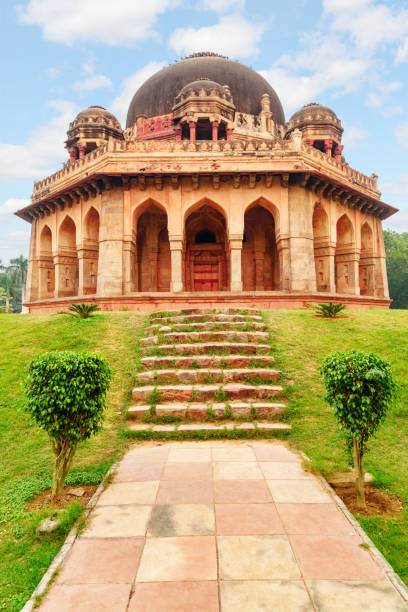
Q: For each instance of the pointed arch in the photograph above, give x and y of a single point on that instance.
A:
(143, 206)
(92, 224)
(320, 223)
(269, 206)
(67, 234)
(346, 264)
(46, 264)
(366, 266)
(344, 232)
(367, 238)
(67, 269)
(210, 203)
(90, 252)
(152, 252)
(260, 260)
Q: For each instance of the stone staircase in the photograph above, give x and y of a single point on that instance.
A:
(206, 370)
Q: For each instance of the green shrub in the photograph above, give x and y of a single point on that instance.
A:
(330, 310)
(66, 394)
(82, 311)
(360, 388)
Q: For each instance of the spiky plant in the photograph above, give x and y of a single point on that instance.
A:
(82, 311)
(330, 310)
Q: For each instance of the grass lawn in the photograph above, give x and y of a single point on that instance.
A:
(301, 341)
(26, 456)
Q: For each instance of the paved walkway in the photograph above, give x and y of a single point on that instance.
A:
(208, 526)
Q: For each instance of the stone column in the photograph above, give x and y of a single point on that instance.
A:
(110, 268)
(214, 126)
(192, 127)
(32, 272)
(81, 271)
(229, 133)
(82, 151)
(282, 245)
(338, 151)
(235, 262)
(302, 261)
(332, 269)
(72, 155)
(328, 144)
(176, 252)
(177, 132)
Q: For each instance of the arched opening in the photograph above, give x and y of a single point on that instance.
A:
(91, 252)
(67, 259)
(153, 251)
(46, 265)
(260, 262)
(203, 130)
(345, 256)
(367, 261)
(321, 251)
(206, 261)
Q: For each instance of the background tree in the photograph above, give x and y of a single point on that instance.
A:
(396, 248)
(359, 387)
(66, 394)
(12, 281)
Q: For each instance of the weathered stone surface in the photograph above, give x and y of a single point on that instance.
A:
(48, 526)
(208, 361)
(206, 347)
(176, 410)
(149, 341)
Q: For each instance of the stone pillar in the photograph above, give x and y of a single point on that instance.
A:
(338, 151)
(282, 245)
(301, 242)
(177, 132)
(72, 155)
(192, 127)
(32, 272)
(176, 252)
(128, 263)
(82, 151)
(214, 126)
(81, 270)
(235, 262)
(347, 271)
(229, 133)
(110, 268)
(332, 269)
(328, 145)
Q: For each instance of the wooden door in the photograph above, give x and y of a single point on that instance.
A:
(206, 276)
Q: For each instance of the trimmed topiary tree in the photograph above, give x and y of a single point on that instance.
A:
(360, 388)
(66, 394)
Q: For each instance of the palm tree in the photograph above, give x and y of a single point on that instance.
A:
(20, 265)
(6, 285)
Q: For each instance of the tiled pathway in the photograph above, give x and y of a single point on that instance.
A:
(208, 526)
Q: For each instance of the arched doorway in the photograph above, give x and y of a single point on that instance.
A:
(345, 257)
(260, 263)
(67, 259)
(367, 262)
(206, 263)
(46, 265)
(321, 248)
(90, 251)
(153, 251)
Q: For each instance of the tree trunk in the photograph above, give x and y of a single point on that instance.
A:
(359, 473)
(65, 468)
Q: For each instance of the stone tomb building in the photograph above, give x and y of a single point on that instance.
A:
(207, 197)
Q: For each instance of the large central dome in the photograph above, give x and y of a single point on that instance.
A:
(156, 96)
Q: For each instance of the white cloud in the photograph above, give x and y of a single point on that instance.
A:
(352, 135)
(130, 85)
(97, 81)
(11, 205)
(402, 52)
(399, 188)
(232, 36)
(401, 133)
(43, 149)
(13, 244)
(113, 23)
(221, 6)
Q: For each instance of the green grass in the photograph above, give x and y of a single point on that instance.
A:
(300, 343)
(26, 465)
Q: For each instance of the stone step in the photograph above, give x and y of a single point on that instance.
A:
(203, 348)
(205, 311)
(206, 375)
(200, 318)
(218, 336)
(207, 326)
(207, 427)
(207, 361)
(198, 411)
(200, 393)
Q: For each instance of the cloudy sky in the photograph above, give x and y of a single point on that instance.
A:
(59, 56)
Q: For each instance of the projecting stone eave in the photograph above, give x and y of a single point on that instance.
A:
(306, 166)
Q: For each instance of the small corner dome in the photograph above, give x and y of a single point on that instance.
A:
(314, 113)
(97, 115)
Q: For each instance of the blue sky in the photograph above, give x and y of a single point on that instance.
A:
(59, 56)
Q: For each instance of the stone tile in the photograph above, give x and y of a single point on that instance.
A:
(129, 493)
(298, 491)
(102, 561)
(233, 453)
(237, 470)
(186, 558)
(164, 428)
(274, 452)
(87, 598)
(288, 470)
(334, 558)
(139, 426)
(257, 596)
(241, 491)
(200, 427)
(175, 597)
(273, 426)
(185, 492)
(247, 519)
(246, 426)
(134, 471)
(148, 453)
(340, 596)
(181, 520)
(314, 519)
(256, 558)
(118, 522)
(190, 455)
(187, 471)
